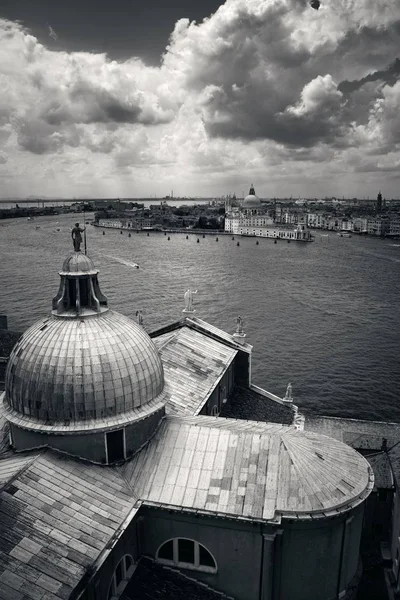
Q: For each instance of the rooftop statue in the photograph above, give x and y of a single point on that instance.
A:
(189, 300)
(239, 334)
(239, 325)
(76, 237)
(139, 318)
(288, 395)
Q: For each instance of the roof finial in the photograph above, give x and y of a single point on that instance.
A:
(252, 191)
(239, 334)
(189, 301)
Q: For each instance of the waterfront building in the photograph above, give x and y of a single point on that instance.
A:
(293, 216)
(115, 467)
(346, 224)
(138, 222)
(378, 226)
(394, 229)
(254, 219)
(316, 220)
(360, 225)
(300, 233)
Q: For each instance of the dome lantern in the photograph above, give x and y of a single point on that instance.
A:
(79, 292)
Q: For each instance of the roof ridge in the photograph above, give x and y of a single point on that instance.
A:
(4, 485)
(240, 424)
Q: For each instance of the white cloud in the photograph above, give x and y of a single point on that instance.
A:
(253, 92)
(319, 96)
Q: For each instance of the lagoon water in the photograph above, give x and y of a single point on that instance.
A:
(324, 316)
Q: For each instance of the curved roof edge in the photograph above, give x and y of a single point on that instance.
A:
(83, 427)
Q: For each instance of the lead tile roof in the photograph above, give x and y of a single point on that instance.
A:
(247, 472)
(215, 331)
(65, 369)
(56, 516)
(192, 364)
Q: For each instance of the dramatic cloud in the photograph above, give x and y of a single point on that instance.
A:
(269, 90)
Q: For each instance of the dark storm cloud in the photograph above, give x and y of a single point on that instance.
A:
(88, 103)
(315, 117)
(389, 75)
(288, 129)
(40, 138)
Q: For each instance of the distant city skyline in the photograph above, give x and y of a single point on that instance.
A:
(202, 98)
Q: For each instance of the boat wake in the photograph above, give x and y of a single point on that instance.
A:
(127, 263)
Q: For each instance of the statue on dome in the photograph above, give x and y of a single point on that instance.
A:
(139, 318)
(76, 237)
(189, 300)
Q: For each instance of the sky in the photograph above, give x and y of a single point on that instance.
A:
(129, 99)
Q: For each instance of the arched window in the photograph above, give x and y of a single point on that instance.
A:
(121, 576)
(187, 554)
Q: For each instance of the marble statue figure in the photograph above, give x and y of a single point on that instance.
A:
(189, 300)
(239, 324)
(76, 237)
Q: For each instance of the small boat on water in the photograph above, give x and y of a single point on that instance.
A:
(345, 234)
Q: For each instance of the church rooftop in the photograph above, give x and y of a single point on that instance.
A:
(192, 363)
(56, 516)
(258, 473)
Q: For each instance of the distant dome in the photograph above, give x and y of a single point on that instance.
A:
(83, 369)
(78, 263)
(252, 200)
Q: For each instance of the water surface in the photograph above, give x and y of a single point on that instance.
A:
(324, 316)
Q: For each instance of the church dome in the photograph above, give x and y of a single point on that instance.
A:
(84, 362)
(251, 200)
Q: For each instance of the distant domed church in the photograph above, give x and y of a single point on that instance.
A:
(251, 200)
(120, 476)
(251, 204)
